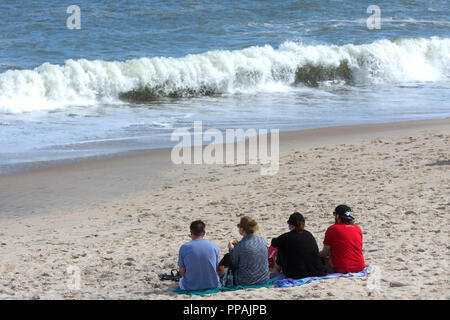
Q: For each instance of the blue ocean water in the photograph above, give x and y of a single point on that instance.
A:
(136, 70)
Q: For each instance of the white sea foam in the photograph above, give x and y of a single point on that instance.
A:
(255, 69)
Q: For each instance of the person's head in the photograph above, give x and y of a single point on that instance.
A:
(342, 213)
(296, 222)
(197, 229)
(247, 225)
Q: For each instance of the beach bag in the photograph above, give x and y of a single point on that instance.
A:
(272, 256)
(173, 276)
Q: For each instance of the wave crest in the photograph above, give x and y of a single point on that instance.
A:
(254, 69)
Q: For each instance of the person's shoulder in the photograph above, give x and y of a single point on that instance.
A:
(185, 246)
(261, 239)
(289, 234)
(348, 228)
(210, 244)
(281, 237)
(292, 236)
(308, 234)
(284, 236)
(332, 227)
(200, 245)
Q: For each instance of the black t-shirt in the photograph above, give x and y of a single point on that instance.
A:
(298, 255)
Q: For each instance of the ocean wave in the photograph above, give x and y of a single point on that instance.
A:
(254, 69)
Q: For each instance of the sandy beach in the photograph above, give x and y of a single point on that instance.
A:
(121, 221)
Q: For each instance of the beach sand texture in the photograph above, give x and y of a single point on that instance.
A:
(397, 184)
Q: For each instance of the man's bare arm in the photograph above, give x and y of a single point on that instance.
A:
(325, 251)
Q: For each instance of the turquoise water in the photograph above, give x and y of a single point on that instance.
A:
(136, 70)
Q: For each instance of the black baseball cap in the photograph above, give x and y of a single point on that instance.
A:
(344, 212)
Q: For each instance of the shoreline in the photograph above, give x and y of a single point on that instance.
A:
(78, 184)
(394, 176)
(286, 136)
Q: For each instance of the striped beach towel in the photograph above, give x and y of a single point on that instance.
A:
(288, 282)
(277, 282)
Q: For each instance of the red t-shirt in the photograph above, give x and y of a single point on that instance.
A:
(346, 247)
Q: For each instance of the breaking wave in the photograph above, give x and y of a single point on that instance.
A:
(254, 69)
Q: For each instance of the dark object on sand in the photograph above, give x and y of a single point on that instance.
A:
(173, 276)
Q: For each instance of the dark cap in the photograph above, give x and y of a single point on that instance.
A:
(295, 218)
(344, 212)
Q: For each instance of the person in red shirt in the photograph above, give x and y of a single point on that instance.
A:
(343, 243)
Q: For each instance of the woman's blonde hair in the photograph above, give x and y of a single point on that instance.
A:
(249, 225)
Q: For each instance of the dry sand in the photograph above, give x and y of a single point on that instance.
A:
(395, 176)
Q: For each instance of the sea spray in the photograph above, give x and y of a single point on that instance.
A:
(250, 70)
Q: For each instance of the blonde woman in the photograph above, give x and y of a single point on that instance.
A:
(248, 257)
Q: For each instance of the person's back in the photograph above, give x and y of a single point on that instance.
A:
(298, 255)
(198, 260)
(345, 241)
(249, 257)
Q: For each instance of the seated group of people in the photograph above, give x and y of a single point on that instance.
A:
(298, 255)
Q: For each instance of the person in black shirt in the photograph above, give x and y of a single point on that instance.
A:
(298, 253)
